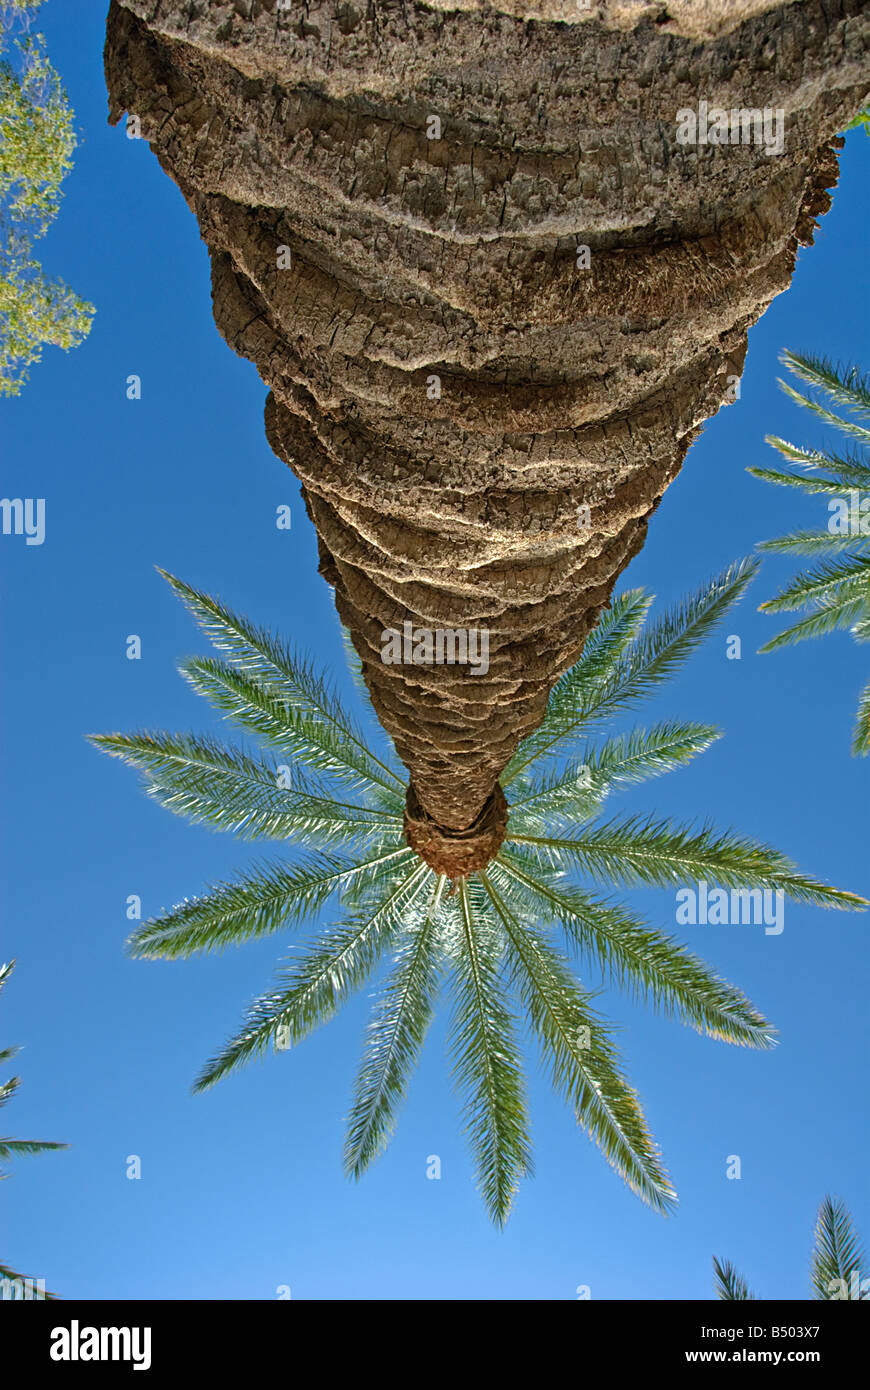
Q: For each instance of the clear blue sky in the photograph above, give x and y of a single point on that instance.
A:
(241, 1189)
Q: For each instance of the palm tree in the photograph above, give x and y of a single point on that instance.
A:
(836, 594)
(16, 1148)
(495, 280)
(490, 932)
(838, 1263)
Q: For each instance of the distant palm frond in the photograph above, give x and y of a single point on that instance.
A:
(838, 1267)
(25, 1286)
(836, 594)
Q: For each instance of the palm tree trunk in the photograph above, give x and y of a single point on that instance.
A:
(482, 415)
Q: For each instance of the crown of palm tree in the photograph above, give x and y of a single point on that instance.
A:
(501, 939)
(836, 1266)
(836, 593)
(17, 1148)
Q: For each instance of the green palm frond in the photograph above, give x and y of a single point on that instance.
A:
(838, 1268)
(323, 978)
(490, 936)
(640, 851)
(582, 1058)
(808, 543)
(8, 1089)
(838, 1262)
(641, 961)
(729, 1284)
(19, 1148)
(395, 1038)
(295, 734)
(231, 790)
(486, 1058)
(849, 427)
(576, 792)
(267, 900)
(334, 735)
(35, 1293)
(836, 594)
(612, 678)
(847, 470)
(861, 736)
(617, 628)
(847, 386)
(836, 616)
(830, 487)
(354, 664)
(835, 582)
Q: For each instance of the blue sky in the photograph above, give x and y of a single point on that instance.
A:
(241, 1189)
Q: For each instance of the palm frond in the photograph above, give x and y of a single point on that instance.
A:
(354, 664)
(847, 386)
(395, 1038)
(35, 1293)
(838, 1262)
(849, 470)
(583, 1061)
(642, 851)
(861, 736)
(339, 963)
(230, 789)
(287, 677)
(319, 746)
(21, 1148)
(830, 417)
(8, 1089)
(612, 635)
(836, 616)
(622, 679)
(485, 1058)
(829, 487)
(729, 1284)
(809, 543)
(635, 957)
(576, 793)
(268, 899)
(835, 581)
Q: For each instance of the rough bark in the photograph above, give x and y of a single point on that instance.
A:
(456, 258)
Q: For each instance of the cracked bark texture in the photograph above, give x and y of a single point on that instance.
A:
(456, 258)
